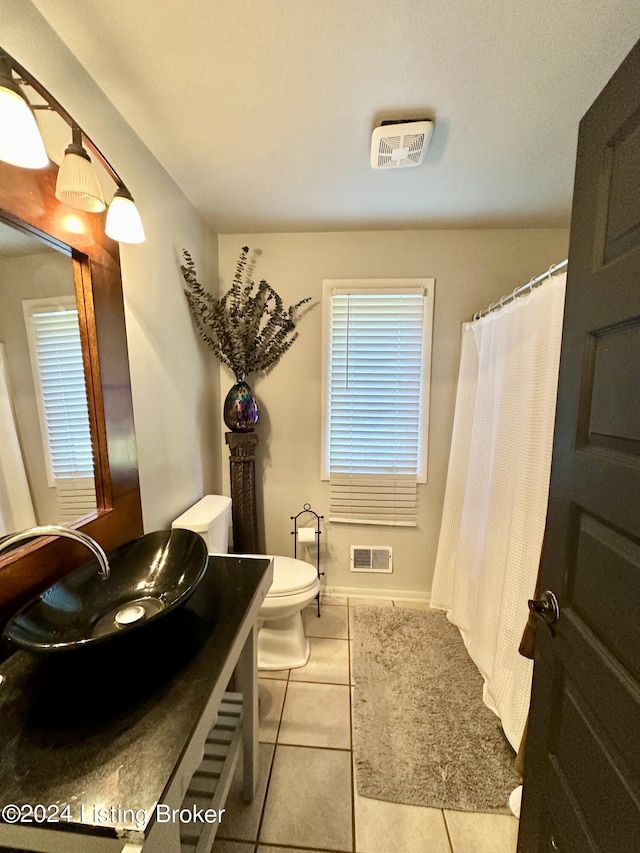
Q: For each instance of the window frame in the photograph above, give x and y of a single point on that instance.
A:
(370, 285)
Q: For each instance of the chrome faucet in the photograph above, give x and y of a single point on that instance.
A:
(65, 532)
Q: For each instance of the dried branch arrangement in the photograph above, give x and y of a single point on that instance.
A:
(248, 329)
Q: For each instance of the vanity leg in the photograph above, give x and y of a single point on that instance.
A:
(249, 686)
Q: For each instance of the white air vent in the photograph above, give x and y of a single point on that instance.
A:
(401, 144)
(371, 558)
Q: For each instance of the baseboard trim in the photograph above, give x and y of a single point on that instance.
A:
(375, 592)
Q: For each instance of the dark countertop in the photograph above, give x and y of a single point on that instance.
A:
(107, 726)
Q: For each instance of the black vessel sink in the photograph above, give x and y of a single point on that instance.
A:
(149, 578)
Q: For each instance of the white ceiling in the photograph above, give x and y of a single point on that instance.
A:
(262, 110)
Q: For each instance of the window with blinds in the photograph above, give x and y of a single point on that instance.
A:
(55, 348)
(377, 352)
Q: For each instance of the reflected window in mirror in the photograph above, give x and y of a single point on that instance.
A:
(46, 454)
(55, 349)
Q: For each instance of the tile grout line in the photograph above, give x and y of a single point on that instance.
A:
(303, 849)
(446, 826)
(273, 761)
(305, 746)
(351, 770)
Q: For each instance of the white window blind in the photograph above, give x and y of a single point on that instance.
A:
(376, 398)
(58, 372)
(75, 497)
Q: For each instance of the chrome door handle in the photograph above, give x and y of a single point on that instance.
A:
(546, 607)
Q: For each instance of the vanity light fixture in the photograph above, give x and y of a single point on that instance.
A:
(20, 138)
(77, 184)
(123, 220)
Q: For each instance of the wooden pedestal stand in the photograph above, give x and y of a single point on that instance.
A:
(242, 466)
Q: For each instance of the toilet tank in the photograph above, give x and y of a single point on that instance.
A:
(209, 517)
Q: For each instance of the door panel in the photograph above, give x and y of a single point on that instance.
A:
(606, 685)
(623, 171)
(592, 766)
(613, 412)
(582, 762)
(610, 563)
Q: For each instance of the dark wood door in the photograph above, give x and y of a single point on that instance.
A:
(582, 762)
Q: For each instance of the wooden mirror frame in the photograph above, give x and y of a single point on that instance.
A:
(27, 201)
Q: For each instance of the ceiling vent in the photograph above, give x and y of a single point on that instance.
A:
(400, 143)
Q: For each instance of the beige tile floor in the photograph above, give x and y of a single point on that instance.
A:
(307, 801)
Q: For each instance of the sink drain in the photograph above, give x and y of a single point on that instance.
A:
(127, 615)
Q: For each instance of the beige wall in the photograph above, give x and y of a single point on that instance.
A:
(471, 268)
(174, 380)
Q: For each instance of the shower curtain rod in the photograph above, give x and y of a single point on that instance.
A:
(504, 300)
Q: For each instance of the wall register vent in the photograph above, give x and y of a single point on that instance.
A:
(371, 558)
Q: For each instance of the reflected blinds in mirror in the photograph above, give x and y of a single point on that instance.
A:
(58, 371)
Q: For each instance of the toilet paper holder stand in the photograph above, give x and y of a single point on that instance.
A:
(306, 510)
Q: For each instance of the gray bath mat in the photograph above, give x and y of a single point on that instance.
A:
(422, 734)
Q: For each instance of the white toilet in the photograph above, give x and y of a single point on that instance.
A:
(281, 640)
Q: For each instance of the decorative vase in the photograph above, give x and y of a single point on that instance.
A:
(240, 408)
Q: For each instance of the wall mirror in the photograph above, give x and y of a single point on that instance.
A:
(47, 471)
(60, 238)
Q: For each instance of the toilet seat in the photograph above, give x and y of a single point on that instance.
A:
(291, 577)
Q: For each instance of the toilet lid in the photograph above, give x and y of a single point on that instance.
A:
(291, 576)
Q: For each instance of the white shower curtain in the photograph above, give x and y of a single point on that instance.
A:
(16, 507)
(497, 488)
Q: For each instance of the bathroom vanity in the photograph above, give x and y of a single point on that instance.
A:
(132, 746)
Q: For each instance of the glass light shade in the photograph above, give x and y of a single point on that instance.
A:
(20, 139)
(123, 220)
(77, 184)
